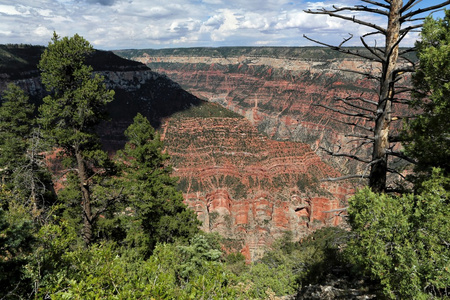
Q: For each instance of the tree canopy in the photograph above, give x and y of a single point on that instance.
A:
(69, 115)
(429, 133)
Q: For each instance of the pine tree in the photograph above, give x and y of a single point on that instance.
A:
(16, 123)
(69, 115)
(158, 205)
(429, 133)
(22, 166)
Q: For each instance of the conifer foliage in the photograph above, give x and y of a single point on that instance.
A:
(429, 132)
(16, 123)
(77, 104)
(151, 191)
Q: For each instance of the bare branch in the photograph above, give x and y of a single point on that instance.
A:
(390, 170)
(409, 28)
(376, 3)
(401, 155)
(408, 5)
(422, 10)
(365, 74)
(336, 210)
(371, 49)
(405, 90)
(356, 125)
(353, 105)
(362, 136)
(332, 13)
(346, 113)
(368, 101)
(345, 177)
(340, 49)
(346, 40)
(347, 155)
(402, 101)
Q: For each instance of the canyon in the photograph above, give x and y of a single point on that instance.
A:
(241, 126)
(282, 91)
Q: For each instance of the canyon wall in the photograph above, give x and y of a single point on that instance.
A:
(248, 187)
(252, 178)
(281, 91)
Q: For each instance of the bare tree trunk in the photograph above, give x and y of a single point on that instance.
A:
(86, 199)
(377, 178)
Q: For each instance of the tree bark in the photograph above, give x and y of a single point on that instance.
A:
(378, 171)
(86, 198)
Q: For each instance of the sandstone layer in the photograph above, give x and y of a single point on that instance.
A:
(250, 185)
(281, 91)
(249, 188)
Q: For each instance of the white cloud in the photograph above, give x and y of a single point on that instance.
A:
(114, 24)
(9, 10)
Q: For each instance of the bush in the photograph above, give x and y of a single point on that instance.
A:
(403, 241)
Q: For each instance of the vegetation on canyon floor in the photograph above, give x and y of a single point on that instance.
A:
(117, 227)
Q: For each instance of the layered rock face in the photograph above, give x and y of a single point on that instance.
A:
(249, 188)
(247, 185)
(277, 89)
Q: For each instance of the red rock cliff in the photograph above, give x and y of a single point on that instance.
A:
(248, 187)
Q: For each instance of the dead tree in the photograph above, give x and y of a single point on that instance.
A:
(402, 18)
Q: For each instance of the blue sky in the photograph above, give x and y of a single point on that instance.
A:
(125, 24)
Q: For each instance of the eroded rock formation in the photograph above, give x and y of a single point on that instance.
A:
(276, 89)
(250, 185)
(247, 187)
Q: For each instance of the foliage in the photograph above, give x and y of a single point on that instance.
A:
(21, 163)
(106, 271)
(159, 213)
(16, 242)
(429, 133)
(78, 100)
(16, 123)
(287, 265)
(77, 104)
(201, 254)
(404, 240)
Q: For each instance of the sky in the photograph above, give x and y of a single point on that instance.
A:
(140, 24)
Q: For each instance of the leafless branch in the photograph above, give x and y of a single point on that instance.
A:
(347, 155)
(365, 74)
(376, 3)
(356, 125)
(402, 156)
(346, 113)
(422, 10)
(343, 100)
(336, 210)
(361, 136)
(340, 49)
(371, 49)
(345, 177)
(410, 4)
(412, 27)
(362, 99)
(334, 13)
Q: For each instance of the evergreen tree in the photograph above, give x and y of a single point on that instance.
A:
(16, 241)
(16, 123)
(404, 241)
(429, 133)
(22, 165)
(69, 115)
(158, 206)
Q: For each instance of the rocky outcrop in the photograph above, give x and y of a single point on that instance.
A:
(277, 89)
(249, 186)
